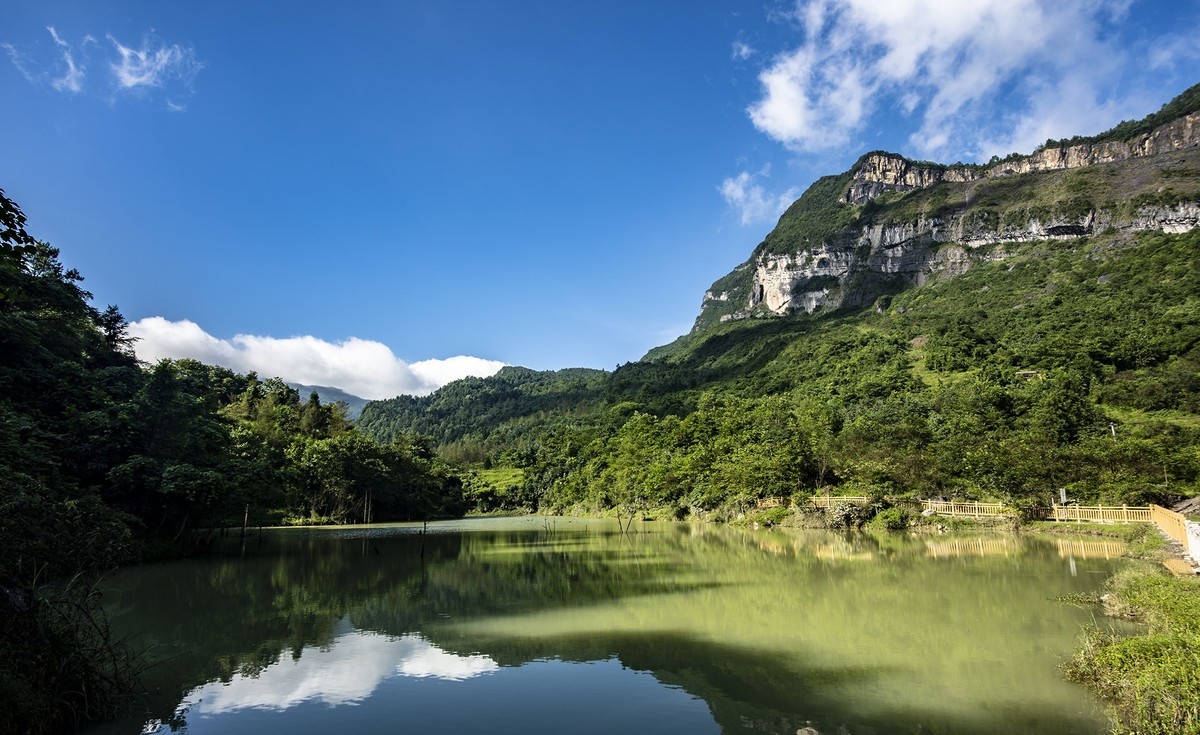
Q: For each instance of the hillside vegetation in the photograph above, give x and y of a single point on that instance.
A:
(1067, 363)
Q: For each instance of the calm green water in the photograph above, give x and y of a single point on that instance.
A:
(525, 625)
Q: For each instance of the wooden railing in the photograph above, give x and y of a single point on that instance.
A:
(974, 510)
(828, 501)
(1100, 514)
(1172, 523)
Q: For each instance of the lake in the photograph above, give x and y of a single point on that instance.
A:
(566, 625)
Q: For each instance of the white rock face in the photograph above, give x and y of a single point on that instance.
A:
(920, 251)
(849, 269)
(1174, 136)
(880, 172)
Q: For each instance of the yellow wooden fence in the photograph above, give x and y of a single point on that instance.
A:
(974, 510)
(828, 501)
(1172, 523)
(1100, 514)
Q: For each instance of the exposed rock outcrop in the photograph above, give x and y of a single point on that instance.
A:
(879, 172)
(976, 221)
(1180, 134)
(851, 272)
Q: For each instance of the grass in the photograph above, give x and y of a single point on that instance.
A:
(1152, 680)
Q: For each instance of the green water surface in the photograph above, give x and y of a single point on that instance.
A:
(567, 625)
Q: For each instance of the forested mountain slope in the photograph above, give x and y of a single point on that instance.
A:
(471, 415)
(995, 331)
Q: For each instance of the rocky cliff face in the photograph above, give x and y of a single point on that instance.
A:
(881, 172)
(899, 247)
(912, 254)
(1178, 135)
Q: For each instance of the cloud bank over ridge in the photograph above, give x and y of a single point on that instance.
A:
(361, 367)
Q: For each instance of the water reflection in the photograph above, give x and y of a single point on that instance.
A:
(676, 628)
(347, 670)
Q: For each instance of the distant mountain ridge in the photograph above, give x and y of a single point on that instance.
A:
(328, 394)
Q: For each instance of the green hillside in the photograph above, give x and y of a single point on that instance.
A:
(1069, 362)
(473, 417)
(1007, 382)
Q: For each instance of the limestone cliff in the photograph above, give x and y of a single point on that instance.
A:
(879, 172)
(890, 223)
(1180, 134)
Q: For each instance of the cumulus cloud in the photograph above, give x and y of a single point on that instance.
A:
(742, 50)
(361, 367)
(153, 64)
(751, 199)
(946, 62)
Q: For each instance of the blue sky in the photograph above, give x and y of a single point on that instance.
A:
(384, 196)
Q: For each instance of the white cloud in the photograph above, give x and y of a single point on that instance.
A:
(152, 65)
(951, 64)
(72, 78)
(742, 50)
(440, 372)
(360, 367)
(753, 202)
(22, 62)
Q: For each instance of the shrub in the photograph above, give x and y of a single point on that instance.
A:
(773, 516)
(849, 515)
(891, 519)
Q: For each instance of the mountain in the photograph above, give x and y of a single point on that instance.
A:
(994, 331)
(354, 404)
(890, 223)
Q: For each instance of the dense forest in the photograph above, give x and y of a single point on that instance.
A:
(104, 461)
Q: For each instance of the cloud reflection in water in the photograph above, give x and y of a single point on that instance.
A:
(346, 672)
